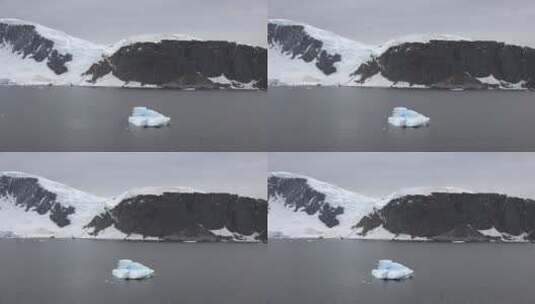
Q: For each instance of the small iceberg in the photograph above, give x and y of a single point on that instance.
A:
(129, 270)
(145, 117)
(388, 270)
(406, 118)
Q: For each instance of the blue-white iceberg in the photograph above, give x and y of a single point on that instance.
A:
(388, 270)
(129, 270)
(403, 117)
(145, 117)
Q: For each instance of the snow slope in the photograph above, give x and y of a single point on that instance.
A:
(26, 71)
(288, 71)
(15, 69)
(16, 221)
(284, 221)
(24, 223)
(298, 72)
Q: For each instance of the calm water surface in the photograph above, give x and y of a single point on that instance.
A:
(307, 272)
(354, 119)
(334, 271)
(79, 272)
(96, 119)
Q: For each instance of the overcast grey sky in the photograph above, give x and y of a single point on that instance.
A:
(107, 21)
(375, 21)
(378, 174)
(109, 174)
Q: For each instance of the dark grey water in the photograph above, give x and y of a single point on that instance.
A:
(354, 119)
(96, 119)
(79, 272)
(318, 272)
(336, 272)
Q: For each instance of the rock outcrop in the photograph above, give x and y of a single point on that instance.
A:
(27, 193)
(299, 195)
(294, 40)
(454, 64)
(24, 39)
(455, 217)
(185, 64)
(186, 216)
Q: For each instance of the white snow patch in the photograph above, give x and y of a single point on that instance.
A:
(16, 220)
(379, 81)
(284, 222)
(521, 238)
(492, 232)
(505, 237)
(110, 233)
(109, 80)
(283, 70)
(150, 191)
(416, 38)
(151, 38)
(223, 80)
(421, 191)
(489, 80)
(380, 233)
(504, 85)
(224, 232)
(20, 71)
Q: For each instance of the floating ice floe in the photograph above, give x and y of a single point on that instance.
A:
(129, 270)
(145, 117)
(388, 270)
(403, 117)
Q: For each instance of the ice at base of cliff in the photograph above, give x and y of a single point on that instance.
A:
(388, 270)
(145, 117)
(130, 270)
(406, 118)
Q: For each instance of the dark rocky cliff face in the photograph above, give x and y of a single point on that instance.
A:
(294, 40)
(27, 193)
(300, 196)
(453, 64)
(185, 64)
(186, 216)
(454, 216)
(25, 40)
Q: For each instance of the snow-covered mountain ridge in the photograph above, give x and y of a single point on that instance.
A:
(32, 206)
(32, 54)
(301, 54)
(302, 207)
